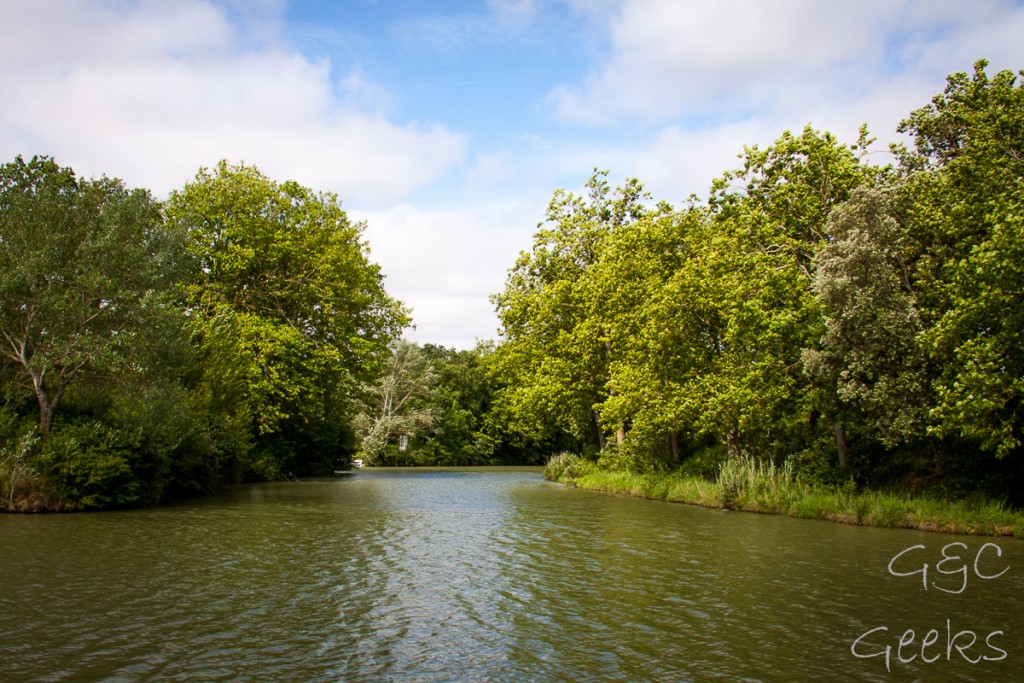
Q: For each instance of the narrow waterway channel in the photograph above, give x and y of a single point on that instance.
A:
(494, 575)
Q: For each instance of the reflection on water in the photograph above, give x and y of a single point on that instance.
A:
(488, 575)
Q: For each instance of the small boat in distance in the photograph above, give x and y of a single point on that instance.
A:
(356, 464)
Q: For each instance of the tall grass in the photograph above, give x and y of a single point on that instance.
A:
(567, 467)
(746, 483)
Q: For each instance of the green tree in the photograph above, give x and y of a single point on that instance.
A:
(462, 396)
(769, 221)
(286, 294)
(964, 187)
(399, 403)
(658, 326)
(553, 364)
(870, 350)
(83, 264)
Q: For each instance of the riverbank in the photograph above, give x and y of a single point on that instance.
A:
(751, 486)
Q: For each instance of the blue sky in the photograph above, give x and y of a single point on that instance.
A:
(446, 126)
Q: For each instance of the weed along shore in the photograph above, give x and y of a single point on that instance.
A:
(749, 485)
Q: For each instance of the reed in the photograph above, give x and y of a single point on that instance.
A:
(748, 484)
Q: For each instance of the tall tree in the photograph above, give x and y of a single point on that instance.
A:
(399, 403)
(964, 191)
(870, 349)
(556, 354)
(770, 222)
(82, 263)
(286, 289)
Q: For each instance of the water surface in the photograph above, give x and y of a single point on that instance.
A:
(491, 575)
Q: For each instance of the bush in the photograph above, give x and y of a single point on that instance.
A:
(567, 467)
(21, 488)
(90, 467)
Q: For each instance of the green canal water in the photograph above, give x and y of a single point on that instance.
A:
(494, 575)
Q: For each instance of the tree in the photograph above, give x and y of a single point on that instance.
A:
(658, 325)
(767, 230)
(869, 351)
(82, 263)
(399, 403)
(965, 181)
(286, 291)
(554, 361)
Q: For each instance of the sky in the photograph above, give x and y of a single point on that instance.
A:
(447, 126)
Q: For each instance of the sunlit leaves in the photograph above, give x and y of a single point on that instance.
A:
(285, 290)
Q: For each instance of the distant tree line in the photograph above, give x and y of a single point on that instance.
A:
(435, 406)
(864, 320)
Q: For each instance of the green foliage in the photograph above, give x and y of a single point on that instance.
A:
(462, 396)
(399, 405)
(869, 354)
(286, 303)
(91, 465)
(82, 266)
(554, 361)
(745, 478)
(568, 467)
(21, 487)
(90, 324)
(441, 401)
(223, 338)
(860, 322)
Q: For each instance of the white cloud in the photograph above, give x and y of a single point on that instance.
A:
(150, 91)
(683, 162)
(693, 60)
(445, 263)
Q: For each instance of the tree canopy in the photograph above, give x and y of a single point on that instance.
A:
(861, 319)
(82, 263)
(223, 335)
(286, 293)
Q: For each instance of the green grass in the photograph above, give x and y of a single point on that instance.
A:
(746, 484)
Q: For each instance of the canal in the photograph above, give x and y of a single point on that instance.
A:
(494, 575)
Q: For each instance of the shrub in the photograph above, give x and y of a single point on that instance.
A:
(567, 467)
(90, 467)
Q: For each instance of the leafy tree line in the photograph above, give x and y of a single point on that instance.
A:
(435, 406)
(863, 320)
(158, 349)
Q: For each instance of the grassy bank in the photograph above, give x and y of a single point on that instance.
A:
(746, 484)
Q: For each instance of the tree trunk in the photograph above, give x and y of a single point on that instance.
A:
(674, 443)
(46, 406)
(600, 431)
(620, 436)
(732, 441)
(841, 445)
(45, 418)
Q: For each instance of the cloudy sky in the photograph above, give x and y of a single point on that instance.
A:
(446, 126)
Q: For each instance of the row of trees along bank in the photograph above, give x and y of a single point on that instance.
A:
(151, 350)
(864, 320)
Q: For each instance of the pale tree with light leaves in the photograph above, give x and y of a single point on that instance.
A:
(398, 404)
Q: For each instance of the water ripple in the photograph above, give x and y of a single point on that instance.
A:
(439, 576)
